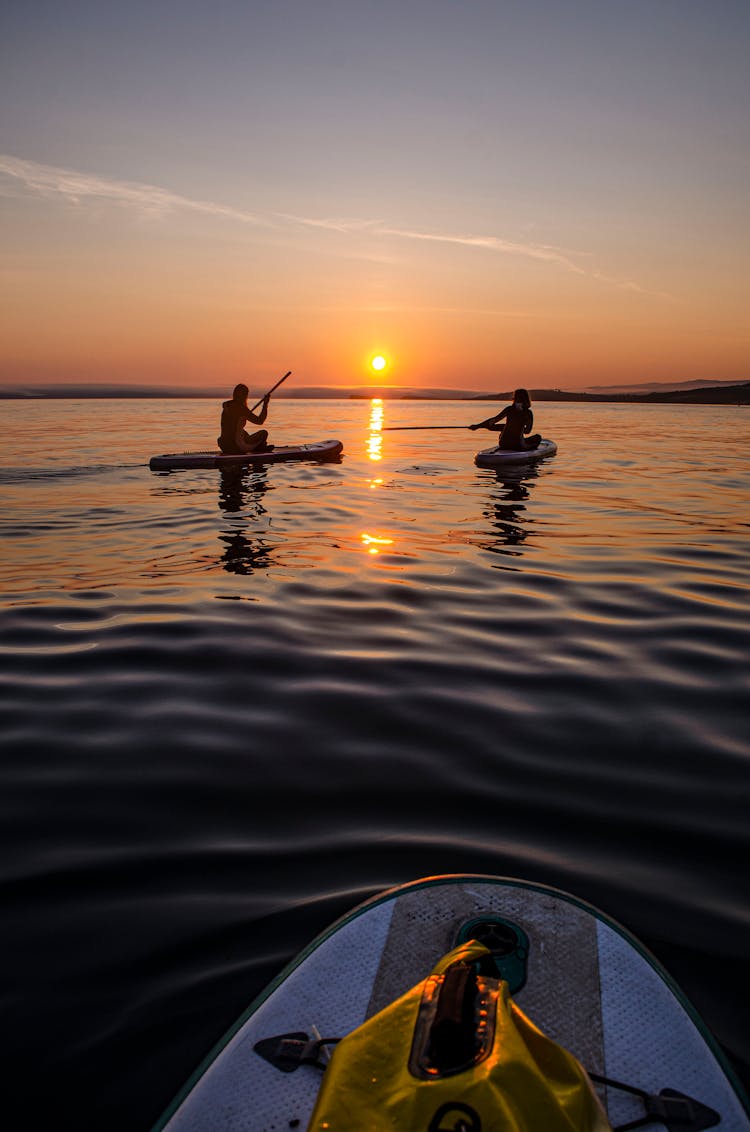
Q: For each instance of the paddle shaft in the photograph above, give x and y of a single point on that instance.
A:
(405, 427)
(270, 391)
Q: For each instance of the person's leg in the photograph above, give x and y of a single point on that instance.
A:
(533, 441)
(257, 441)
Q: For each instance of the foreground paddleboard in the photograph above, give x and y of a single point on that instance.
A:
(578, 975)
(321, 450)
(499, 457)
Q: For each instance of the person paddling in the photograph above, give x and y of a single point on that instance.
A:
(519, 420)
(234, 440)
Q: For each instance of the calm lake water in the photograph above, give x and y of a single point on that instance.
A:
(235, 705)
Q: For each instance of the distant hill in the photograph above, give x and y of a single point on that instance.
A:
(687, 393)
(83, 390)
(657, 386)
(711, 395)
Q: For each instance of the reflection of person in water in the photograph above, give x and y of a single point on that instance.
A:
(240, 554)
(236, 490)
(519, 420)
(234, 440)
(506, 514)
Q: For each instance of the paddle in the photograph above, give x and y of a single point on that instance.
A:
(270, 391)
(404, 427)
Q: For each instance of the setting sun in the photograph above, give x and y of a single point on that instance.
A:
(378, 363)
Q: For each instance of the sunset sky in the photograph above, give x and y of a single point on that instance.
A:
(553, 194)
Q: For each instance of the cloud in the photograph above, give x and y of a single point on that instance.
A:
(496, 244)
(493, 243)
(546, 252)
(152, 201)
(346, 226)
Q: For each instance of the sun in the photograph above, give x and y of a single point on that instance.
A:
(378, 363)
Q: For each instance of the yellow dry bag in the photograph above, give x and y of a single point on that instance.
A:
(455, 1054)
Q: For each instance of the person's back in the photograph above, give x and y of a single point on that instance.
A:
(232, 418)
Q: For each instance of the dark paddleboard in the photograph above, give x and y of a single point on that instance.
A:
(321, 450)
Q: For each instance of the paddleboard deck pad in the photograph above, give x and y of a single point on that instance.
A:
(499, 457)
(320, 450)
(578, 975)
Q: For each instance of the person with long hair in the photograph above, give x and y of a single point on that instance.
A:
(519, 420)
(234, 440)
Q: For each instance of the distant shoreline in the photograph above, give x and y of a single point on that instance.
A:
(704, 395)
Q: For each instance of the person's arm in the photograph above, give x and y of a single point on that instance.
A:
(491, 421)
(261, 417)
(529, 422)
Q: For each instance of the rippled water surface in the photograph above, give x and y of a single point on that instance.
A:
(234, 705)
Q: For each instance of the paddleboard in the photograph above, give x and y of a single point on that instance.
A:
(499, 457)
(577, 974)
(321, 450)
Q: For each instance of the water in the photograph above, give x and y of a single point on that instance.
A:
(234, 706)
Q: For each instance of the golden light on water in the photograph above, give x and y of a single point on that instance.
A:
(375, 439)
(374, 446)
(373, 543)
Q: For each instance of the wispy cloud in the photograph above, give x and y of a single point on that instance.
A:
(492, 243)
(495, 244)
(347, 226)
(153, 201)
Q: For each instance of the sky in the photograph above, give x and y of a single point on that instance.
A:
(553, 194)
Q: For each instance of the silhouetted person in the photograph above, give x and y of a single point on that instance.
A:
(234, 440)
(519, 420)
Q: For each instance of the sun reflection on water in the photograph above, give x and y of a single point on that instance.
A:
(372, 543)
(375, 439)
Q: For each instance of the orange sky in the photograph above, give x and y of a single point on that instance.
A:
(573, 215)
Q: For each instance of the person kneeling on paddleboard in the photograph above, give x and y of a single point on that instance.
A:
(234, 440)
(519, 420)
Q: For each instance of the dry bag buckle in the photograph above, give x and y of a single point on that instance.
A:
(288, 1051)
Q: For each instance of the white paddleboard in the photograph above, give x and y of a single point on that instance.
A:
(320, 450)
(499, 457)
(578, 975)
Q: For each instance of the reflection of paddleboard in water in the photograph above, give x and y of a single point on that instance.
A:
(499, 457)
(321, 450)
(592, 990)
